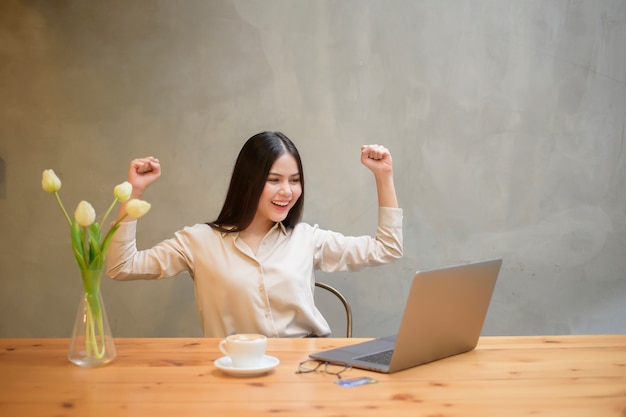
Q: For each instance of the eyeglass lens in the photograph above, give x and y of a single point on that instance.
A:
(329, 368)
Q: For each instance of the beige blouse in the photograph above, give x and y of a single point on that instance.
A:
(270, 292)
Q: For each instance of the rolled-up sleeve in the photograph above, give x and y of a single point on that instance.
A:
(166, 259)
(335, 252)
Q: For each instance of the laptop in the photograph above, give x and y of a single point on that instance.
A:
(443, 316)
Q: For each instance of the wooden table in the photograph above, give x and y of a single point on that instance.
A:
(505, 376)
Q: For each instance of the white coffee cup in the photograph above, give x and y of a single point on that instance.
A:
(245, 350)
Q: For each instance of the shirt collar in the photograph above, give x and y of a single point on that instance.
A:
(277, 225)
(282, 227)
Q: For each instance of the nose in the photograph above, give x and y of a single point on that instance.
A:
(285, 189)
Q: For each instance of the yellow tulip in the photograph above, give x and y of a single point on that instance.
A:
(137, 208)
(50, 182)
(122, 191)
(85, 214)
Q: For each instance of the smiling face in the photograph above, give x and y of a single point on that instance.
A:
(281, 191)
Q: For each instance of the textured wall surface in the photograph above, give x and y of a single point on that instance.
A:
(505, 119)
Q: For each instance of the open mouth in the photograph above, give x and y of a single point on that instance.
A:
(281, 204)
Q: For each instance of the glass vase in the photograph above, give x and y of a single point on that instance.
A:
(91, 343)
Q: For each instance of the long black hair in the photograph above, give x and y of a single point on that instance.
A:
(248, 180)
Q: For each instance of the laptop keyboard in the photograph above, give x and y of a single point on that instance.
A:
(382, 358)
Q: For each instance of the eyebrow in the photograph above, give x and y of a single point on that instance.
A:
(280, 175)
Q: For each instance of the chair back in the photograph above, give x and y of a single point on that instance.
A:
(344, 301)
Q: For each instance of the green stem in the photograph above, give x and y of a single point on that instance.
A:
(85, 243)
(113, 229)
(118, 221)
(67, 217)
(107, 213)
(94, 331)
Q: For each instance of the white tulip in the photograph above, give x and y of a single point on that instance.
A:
(85, 214)
(50, 182)
(137, 208)
(122, 191)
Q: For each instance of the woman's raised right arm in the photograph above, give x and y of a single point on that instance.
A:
(142, 173)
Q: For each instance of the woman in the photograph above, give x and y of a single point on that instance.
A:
(253, 267)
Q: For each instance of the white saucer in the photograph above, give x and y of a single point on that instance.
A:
(226, 365)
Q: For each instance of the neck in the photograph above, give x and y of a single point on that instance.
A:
(257, 228)
(254, 234)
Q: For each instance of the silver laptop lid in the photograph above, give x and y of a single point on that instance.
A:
(443, 316)
(445, 312)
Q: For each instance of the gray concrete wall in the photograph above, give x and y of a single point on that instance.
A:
(505, 119)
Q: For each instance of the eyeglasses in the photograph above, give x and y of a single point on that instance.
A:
(326, 367)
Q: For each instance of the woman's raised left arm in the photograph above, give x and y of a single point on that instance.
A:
(378, 159)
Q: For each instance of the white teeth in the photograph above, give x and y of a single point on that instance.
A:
(280, 203)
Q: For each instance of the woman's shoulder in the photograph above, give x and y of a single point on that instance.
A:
(299, 230)
(198, 228)
(200, 231)
(303, 227)
(309, 229)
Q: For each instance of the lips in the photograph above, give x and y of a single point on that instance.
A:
(281, 204)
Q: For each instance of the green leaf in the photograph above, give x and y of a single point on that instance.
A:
(108, 237)
(77, 240)
(94, 241)
(99, 259)
(94, 230)
(79, 259)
